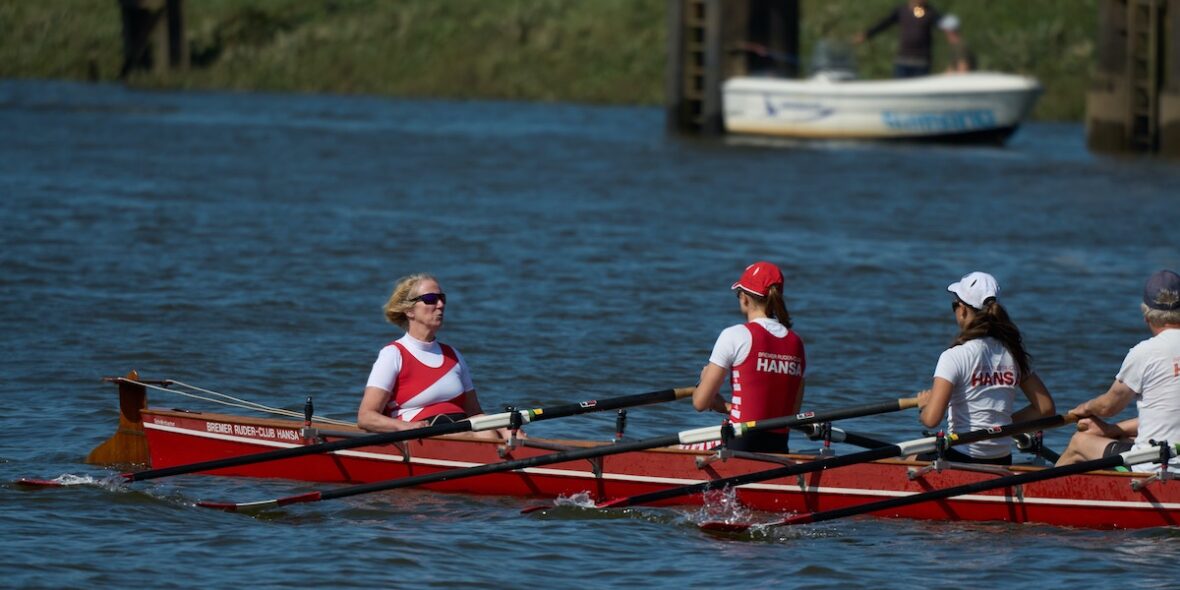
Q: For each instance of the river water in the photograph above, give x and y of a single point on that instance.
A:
(246, 242)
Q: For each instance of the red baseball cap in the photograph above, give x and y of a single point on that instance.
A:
(759, 277)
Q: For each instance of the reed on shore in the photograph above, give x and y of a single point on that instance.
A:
(605, 51)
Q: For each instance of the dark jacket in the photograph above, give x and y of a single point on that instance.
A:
(915, 32)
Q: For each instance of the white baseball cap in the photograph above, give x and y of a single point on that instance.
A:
(975, 289)
(949, 22)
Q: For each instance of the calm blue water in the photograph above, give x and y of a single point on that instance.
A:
(246, 243)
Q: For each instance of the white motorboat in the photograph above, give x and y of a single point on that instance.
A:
(967, 107)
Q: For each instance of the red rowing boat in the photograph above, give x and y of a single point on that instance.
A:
(166, 438)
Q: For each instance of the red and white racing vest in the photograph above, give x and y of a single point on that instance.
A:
(766, 384)
(421, 392)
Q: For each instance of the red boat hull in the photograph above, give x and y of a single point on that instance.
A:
(1095, 500)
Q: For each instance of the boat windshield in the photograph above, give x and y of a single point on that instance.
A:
(833, 60)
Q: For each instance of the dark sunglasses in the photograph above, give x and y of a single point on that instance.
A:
(431, 298)
(955, 304)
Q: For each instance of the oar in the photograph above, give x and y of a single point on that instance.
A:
(921, 445)
(473, 424)
(1133, 457)
(1033, 443)
(814, 432)
(696, 435)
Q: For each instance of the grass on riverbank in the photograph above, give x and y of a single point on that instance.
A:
(599, 51)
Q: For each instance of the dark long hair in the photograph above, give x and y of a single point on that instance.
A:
(773, 304)
(993, 321)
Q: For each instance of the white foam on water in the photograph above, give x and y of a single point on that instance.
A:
(69, 479)
(578, 500)
(722, 506)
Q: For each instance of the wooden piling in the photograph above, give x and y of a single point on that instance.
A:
(153, 36)
(178, 51)
(1169, 103)
(710, 41)
(1134, 100)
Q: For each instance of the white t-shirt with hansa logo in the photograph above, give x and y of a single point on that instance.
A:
(984, 380)
(1152, 371)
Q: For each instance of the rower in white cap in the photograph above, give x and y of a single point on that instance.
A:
(976, 379)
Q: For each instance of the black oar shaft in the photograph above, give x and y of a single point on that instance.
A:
(627, 401)
(884, 452)
(981, 486)
(404, 435)
(350, 443)
(863, 442)
(538, 461)
(853, 412)
(748, 478)
(814, 432)
(1010, 429)
(559, 457)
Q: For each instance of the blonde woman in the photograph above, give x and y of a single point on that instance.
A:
(418, 381)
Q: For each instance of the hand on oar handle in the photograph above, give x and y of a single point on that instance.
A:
(1097, 425)
(923, 398)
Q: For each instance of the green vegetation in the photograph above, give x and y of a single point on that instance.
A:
(601, 51)
(1051, 40)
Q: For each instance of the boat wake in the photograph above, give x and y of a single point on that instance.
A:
(721, 506)
(581, 506)
(578, 500)
(69, 479)
(723, 515)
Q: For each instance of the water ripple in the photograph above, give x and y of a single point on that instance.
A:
(246, 244)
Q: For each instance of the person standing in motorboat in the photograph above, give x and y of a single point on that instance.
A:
(416, 380)
(915, 20)
(961, 59)
(1150, 375)
(765, 361)
(976, 379)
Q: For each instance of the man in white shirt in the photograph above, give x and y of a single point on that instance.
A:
(1150, 375)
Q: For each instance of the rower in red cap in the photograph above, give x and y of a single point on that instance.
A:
(764, 359)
